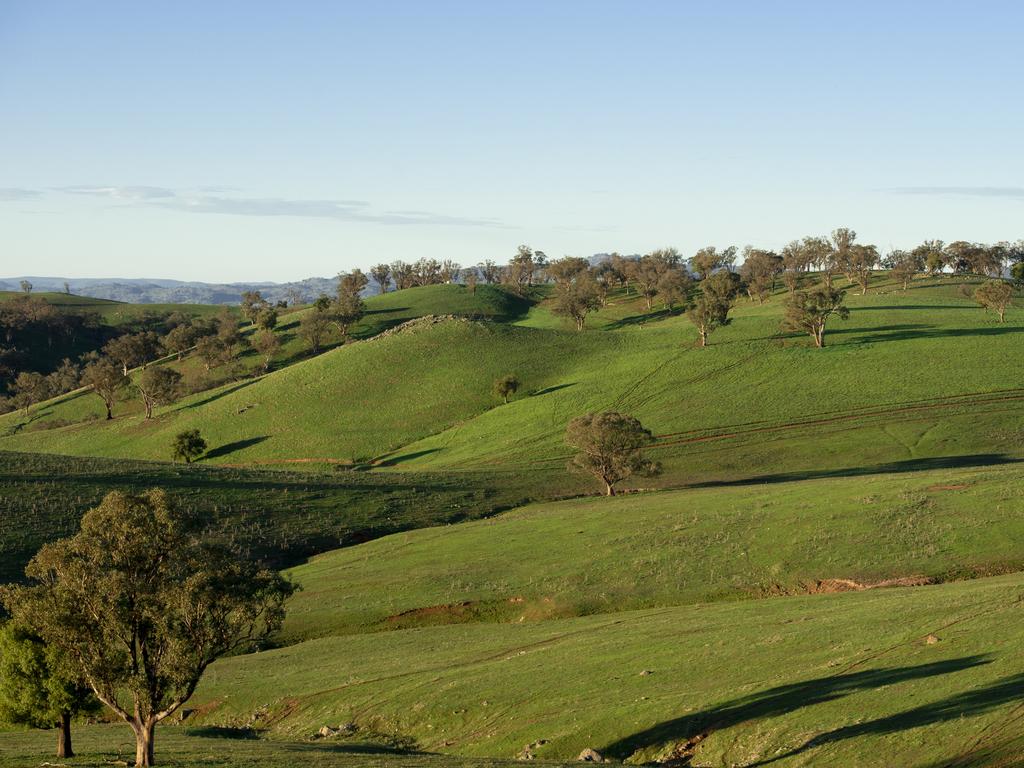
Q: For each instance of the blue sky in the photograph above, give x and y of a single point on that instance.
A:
(252, 140)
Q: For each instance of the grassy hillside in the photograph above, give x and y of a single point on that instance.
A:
(847, 679)
(106, 745)
(600, 555)
(909, 377)
(282, 516)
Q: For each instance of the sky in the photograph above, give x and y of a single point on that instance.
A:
(232, 141)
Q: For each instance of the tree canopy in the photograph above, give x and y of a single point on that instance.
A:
(140, 602)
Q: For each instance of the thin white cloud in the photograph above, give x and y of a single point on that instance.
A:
(1014, 193)
(13, 194)
(203, 200)
(130, 194)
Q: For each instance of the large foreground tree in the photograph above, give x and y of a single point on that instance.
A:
(610, 447)
(140, 602)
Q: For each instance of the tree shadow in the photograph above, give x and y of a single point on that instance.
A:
(782, 700)
(893, 467)
(652, 316)
(223, 393)
(967, 704)
(237, 445)
(390, 460)
(549, 390)
(856, 310)
(910, 333)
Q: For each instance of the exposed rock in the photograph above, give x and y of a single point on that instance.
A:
(345, 729)
(931, 640)
(589, 755)
(646, 672)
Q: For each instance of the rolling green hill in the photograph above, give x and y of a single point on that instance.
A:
(827, 572)
(901, 677)
(600, 555)
(901, 381)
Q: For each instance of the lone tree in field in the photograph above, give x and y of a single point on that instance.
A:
(506, 386)
(37, 687)
(158, 386)
(995, 295)
(140, 602)
(810, 311)
(106, 379)
(610, 447)
(188, 446)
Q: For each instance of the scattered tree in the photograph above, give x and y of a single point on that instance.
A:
(314, 327)
(576, 297)
(810, 311)
(132, 350)
(30, 388)
(470, 279)
(106, 379)
(759, 272)
(712, 307)
(140, 601)
(381, 274)
(610, 447)
(267, 345)
(179, 339)
(158, 385)
(519, 272)
(26, 287)
(506, 386)
(188, 446)
(253, 304)
(903, 265)
(860, 262)
(38, 687)
(995, 295)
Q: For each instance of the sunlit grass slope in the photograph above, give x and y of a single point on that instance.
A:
(903, 677)
(900, 380)
(670, 548)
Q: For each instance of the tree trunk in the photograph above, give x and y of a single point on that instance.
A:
(143, 744)
(703, 337)
(64, 736)
(110, 413)
(1002, 315)
(609, 490)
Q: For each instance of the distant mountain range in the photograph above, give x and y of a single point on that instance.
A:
(156, 291)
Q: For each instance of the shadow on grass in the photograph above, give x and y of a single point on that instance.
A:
(549, 390)
(790, 698)
(221, 732)
(223, 393)
(912, 332)
(390, 460)
(237, 445)
(967, 704)
(893, 467)
(652, 316)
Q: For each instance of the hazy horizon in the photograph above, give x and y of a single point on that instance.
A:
(331, 136)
